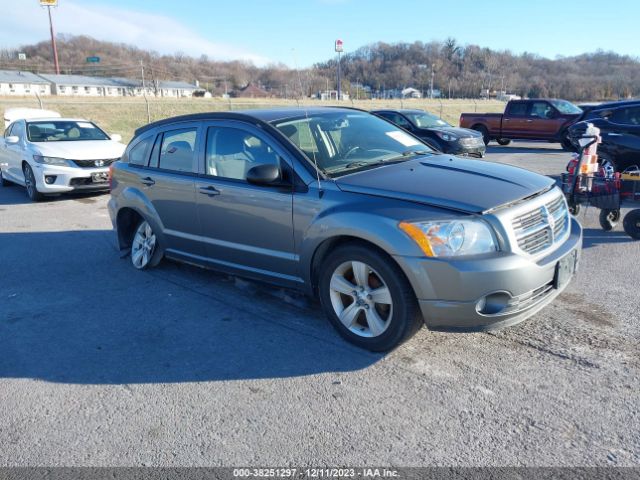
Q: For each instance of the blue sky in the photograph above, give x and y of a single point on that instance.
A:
(269, 31)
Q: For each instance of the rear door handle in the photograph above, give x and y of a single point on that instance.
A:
(148, 181)
(614, 134)
(210, 190)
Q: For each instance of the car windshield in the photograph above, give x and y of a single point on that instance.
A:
(426, 120)
(341, 142)
(565, 107)
(63, 131)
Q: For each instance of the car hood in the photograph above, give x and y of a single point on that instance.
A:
(82, 150)
(454, 183)
(456, 131)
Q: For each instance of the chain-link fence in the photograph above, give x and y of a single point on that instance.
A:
(124, 115)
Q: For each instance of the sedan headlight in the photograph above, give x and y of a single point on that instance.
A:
(451, 238)
(447, 137)
(51, 160)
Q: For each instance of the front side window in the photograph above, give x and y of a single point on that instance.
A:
(177, 150)
(64, 131)
(627, 116)
(231, 152)
(541, 110)
(340, 142)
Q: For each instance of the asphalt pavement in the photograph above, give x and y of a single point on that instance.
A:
(103, 365)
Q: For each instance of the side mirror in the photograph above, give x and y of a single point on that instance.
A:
(12, 140)
(265, 174)
(116, 137)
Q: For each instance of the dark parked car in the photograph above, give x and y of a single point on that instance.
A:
(619, 124)
(344, 205)
(436, 132)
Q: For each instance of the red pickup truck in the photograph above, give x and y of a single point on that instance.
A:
(533, 119)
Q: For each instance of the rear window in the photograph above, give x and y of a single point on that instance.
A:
(517, 109)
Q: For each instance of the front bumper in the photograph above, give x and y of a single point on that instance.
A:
(474, 150)
(68, 179)
(449, 291)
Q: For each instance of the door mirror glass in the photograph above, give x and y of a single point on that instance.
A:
(12, 140)
(265, 174)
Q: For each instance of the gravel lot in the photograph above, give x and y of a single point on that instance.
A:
(104, 365)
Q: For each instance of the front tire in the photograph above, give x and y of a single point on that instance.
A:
(143, 246)
(608, 165)
(484, 132)
(30, 184)
(503, 141)
(566, 144)
(631, 224)
(609, 219)
(367, 298)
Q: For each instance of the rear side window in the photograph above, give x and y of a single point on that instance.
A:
(517, 109)
(138, 154)
(177, 150)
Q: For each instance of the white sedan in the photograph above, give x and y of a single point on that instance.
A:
(57, 155)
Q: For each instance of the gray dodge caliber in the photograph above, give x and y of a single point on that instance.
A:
(345, 206)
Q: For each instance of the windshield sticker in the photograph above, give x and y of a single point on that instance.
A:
(85, 125)
(403, 138)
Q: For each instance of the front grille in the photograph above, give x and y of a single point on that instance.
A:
(92, 163)
(538, 229)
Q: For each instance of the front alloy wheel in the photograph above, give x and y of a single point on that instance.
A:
(143, 246)
(361, 299)
(367, 297)
(30, 183)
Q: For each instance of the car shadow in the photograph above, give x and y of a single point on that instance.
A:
(17, 195)
(73, 311)
(592, 237)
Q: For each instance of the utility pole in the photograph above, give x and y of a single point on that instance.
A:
(49, 4)
(144, 92)
(431, 87)
(339, 48)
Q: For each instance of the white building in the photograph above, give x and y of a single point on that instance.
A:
(176, 89)
(83, 86)
(411, 92)
(22, 83)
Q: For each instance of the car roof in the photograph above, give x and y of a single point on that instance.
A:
(266, 115)
(400, 110)
(54, 119)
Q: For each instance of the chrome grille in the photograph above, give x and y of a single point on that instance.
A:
(539, 228)
(92, 163)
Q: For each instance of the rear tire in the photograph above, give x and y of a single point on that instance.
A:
(631, 224)
(609, 219)
(483, 131)
(372, 296)
(566, 144)
(503, 141)
(30, 184)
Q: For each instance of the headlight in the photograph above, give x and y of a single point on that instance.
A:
(447, 137)
(451, 238)
(51, 160)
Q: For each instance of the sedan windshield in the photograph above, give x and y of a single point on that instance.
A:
(426, 120)
(63, 131)
(565, 107)
(340, 142)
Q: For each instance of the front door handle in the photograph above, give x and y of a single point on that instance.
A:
(210, 190)
(148, 181)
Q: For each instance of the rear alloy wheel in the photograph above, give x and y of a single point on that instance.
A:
(609, 219)
(503, 141)
(368, 299)
(30, 183)
(631, 224)
(143, 246)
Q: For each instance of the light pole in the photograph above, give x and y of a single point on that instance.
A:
(49, 4)
(431, 87)
(339, 48)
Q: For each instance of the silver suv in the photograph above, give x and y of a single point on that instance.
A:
(345, 206)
